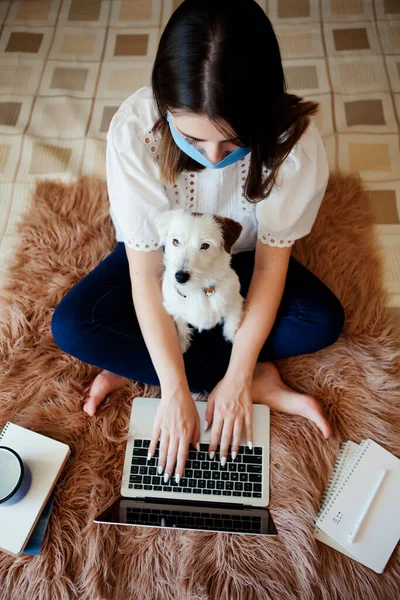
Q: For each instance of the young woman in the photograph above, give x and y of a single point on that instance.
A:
(215, 133)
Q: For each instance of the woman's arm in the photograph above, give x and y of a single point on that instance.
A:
(177, 421)
(230, 401)
(260, 308)
(157, 326)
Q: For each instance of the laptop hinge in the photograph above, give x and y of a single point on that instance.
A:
(196, 503)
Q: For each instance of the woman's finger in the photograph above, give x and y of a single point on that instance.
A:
(209, 415)
(215, 435)
(171, 457)
(155, 436)
(237, 434)
(162, 455)
(225, 440)
(248, 421)
(181, 458)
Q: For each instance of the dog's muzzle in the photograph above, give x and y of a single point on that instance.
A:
(182, 276)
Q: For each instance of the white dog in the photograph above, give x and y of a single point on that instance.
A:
(199, 286)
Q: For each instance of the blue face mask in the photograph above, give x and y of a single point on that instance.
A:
(191, 151)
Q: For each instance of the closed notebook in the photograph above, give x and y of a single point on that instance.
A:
(365, 498)
(45, 458)
(347, 451)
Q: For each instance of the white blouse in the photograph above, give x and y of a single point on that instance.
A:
(137, 193)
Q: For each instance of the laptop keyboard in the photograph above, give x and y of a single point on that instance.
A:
(241, 477)
(194, 520)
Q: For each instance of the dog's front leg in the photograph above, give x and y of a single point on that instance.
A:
(232, 321)
(184, 334)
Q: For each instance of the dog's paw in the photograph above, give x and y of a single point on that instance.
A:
(185, 344)
(229, 331)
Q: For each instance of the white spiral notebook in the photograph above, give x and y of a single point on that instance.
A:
(45, 458)
(359, 514)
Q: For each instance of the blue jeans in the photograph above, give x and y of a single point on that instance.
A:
(96, 323)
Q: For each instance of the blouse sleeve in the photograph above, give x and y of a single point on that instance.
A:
(290, 210)
(135, 191)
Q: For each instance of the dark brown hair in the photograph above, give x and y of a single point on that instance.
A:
(221, 58)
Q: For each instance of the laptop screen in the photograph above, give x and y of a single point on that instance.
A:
(203, 516)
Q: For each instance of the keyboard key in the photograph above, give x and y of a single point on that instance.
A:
(234, 476)
(216, 475)
(137, 444)
(197, 474)
(255, 478)
(243, 477)
(229, 485)
(257, 460)
(140, 452)
(254, 468)
(257, 487)
(138, 486)
(241, 467)
(226, 493)
(192, 483)
(211, 484)
(257, 450)
(167, 488)
(187, 490)
(220, 485)
(148, 487)
(146, 443)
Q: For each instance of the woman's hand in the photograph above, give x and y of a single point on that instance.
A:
(176, 424)
(229, 405)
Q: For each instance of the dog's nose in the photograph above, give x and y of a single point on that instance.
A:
(182, 276)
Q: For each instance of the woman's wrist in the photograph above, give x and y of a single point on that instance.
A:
(240, 374)
(177, 388)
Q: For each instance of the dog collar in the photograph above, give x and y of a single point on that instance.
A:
(210, 291)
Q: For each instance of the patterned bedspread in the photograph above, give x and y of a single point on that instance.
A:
(66, 66)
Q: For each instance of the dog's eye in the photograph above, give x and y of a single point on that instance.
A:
(175, 242)
(204, 246)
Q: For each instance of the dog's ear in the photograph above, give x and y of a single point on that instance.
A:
(162, 221)
(231, 231)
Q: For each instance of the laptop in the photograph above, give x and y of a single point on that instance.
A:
(209, 497)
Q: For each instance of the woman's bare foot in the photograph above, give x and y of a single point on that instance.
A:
(103, 384)
(268, 388)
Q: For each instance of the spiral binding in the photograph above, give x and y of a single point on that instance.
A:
(346, 476)
(333, 479)
(3, 431)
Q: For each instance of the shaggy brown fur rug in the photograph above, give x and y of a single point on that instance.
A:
(66, 232)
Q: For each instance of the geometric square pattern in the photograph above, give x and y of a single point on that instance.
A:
(78, 43)
(72, 79)
(67, 65)
(9, 113)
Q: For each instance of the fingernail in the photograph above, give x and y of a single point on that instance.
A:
(177, 478)
(166, 477)
(149, 456)
(160, 470)
(250, 445)
(205, 425)
(198, 447)
(234, 455)
(212, 454)
(223, 461)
